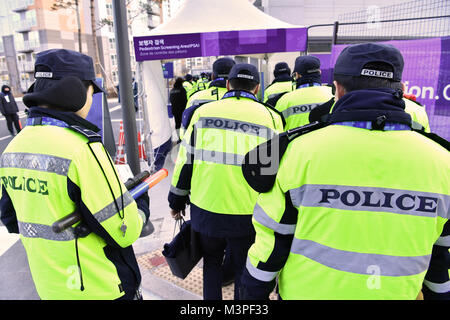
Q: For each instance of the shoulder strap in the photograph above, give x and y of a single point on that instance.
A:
(321, 112)
(438, 139)
(89, 134)
(260, 165)
(268, 106)
(189, 112)
(273, 100)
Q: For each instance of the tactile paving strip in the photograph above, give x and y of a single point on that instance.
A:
(156, 263)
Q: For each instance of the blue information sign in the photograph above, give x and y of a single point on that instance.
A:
(168, 70)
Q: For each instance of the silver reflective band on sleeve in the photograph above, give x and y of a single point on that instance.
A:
(190, 149)
(438, 287)
(36, 230)
(359, 263)
(218, 157)
(260, 274)
(110, 210)
(299, 109)
(178, 191)
(443, 241)
(201, 101)
(357, 198)
(262, 217)
(33, 161)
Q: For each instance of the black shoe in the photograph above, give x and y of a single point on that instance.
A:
(227, 282)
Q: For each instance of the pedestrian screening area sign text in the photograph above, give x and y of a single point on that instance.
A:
(178, 46)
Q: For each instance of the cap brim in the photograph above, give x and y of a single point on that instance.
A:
(97, 88)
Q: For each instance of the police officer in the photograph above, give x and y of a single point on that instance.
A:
(203, 82)
(297, 105)
(57, 165)
(215, 91)
(208, 172)
(188, 85)
(354, 209)
(282, 83)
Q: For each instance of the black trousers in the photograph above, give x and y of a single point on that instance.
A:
(213, 250)
(10, 119)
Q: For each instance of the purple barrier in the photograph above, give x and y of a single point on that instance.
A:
(426, 75)
(178, 46)
(325, 66)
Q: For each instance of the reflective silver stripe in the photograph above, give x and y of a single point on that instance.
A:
(199, 101)
(262, 217)
(438, 287)
(360, 263)
(190, 149)
(235, 125)
(260, 274)
(425, 204)
(416, 125)
(443, 241)
(214, 156)
(110, 210)
(219, 157)
(303, 108)
(33, 161)
(178, 191)
(36, 230)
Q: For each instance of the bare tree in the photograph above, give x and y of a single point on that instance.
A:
(70, 4)
(97, 65)
(145, 7)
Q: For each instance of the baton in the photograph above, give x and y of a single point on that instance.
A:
(67, 221)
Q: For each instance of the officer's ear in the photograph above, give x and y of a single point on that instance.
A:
(340, 90)
(255, 91)
(228, 85)
(83, 112)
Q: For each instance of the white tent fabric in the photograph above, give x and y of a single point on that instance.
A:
(218, 15)
(195, 16)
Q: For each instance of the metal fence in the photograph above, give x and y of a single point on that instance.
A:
(416, 19)
(409, 20)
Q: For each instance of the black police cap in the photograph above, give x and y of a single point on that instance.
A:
(305, 65)
(60, 63)
(244, 71)
(221, 67)
(281, 68)
(352, 60)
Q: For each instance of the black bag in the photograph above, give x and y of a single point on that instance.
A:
(183, 252)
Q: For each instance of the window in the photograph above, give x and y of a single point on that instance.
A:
(30, 17)
(112, 44)
(109, 9)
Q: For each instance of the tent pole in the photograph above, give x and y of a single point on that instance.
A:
(125, 80)
(147, 134)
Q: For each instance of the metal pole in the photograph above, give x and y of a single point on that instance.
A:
(335, 32)
(126, 90)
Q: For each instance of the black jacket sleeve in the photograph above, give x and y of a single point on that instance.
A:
(8, 213)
